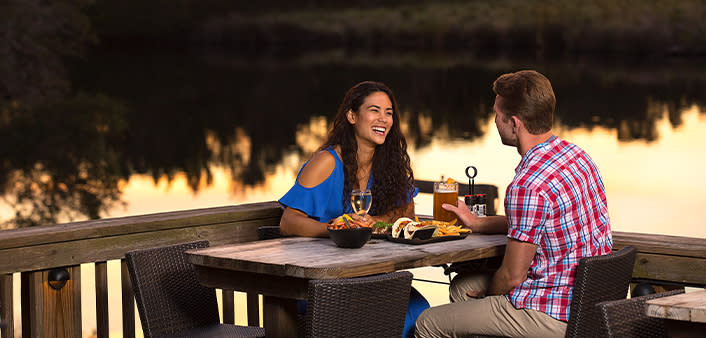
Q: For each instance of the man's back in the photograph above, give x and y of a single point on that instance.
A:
(556, 201)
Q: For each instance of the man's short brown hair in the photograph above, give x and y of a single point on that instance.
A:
(528, 95)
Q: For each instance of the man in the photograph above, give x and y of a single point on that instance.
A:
(556, 214)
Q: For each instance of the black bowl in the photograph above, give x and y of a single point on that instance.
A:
(350, 238)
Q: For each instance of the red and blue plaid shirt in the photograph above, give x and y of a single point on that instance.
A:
(556, 201)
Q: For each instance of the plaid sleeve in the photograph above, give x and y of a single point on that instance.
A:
(526, 213)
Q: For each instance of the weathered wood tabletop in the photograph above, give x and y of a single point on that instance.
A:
(281, 268)
(690, 306)
(684, 314)
(320, 258)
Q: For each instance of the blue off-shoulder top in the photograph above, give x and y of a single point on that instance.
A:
(324, 201)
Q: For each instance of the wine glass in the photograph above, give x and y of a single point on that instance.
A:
(361, 200)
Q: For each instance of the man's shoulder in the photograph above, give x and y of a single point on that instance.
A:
(566, 148)
(545, 167)
(558, 155)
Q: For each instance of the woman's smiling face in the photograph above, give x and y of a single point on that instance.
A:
(373, 121)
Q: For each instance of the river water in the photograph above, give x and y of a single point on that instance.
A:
(192, 130)
(183, 130)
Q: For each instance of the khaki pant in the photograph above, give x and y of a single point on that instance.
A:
(493, 315)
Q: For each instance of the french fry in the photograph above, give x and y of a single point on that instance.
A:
(449, 228)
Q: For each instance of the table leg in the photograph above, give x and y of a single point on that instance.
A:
(280, 317)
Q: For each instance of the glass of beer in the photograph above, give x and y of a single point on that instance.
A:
(445, 193)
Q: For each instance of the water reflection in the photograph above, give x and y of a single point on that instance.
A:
(159, 117)
(62, 161)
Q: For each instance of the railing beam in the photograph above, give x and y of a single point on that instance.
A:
(79, 251)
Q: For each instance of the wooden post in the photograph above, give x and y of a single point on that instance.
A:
(228, 306)
(62, 308)
(128, 302)
(6, 303)
(102, 299)
(32, 303)
(253, 306)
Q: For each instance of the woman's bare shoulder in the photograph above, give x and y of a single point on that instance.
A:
(318, 169)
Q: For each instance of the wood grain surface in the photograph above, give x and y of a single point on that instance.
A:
(320, 258)
(690, 306)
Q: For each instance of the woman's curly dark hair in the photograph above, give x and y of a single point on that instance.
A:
(393, 181)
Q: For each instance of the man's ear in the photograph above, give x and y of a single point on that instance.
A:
(514, 121)
(351, 116)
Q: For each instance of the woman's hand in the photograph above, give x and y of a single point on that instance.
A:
(367, 220)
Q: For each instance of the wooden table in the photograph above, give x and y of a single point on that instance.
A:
(685, 313)
(281, 268)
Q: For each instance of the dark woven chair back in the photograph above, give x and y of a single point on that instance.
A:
(170, 300)
(373, 306)
(627, 318)
(598, 279)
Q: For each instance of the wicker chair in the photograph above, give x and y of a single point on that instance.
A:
(372, 306)
(170, 300)
(598, 279)
(626, 318)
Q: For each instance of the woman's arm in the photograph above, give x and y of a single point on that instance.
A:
(297, 223)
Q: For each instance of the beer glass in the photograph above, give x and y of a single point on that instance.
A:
(445, 193)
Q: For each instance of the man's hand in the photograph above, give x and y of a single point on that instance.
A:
(462, 212)
(485, 225)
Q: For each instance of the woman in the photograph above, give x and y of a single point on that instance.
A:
(365, 149)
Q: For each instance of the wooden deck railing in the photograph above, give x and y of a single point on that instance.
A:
(666, 260)
(33, 252)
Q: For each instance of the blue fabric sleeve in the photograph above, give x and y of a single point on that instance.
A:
(312, 201)
(322, 202)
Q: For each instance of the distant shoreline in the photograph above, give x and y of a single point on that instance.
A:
(550, 28)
